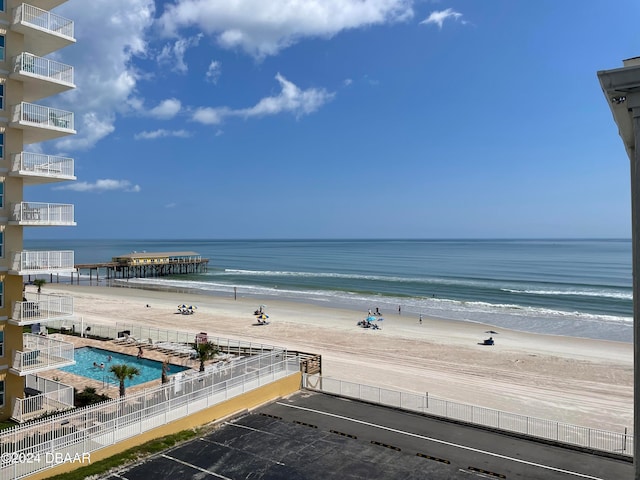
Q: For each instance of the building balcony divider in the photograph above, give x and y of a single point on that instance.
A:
(35, 262)
(41, 308)
(41, 353)
(44, 20)
(31, 213)
(43, 397)
(40, 165)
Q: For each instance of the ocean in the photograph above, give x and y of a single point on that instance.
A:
(579, 288)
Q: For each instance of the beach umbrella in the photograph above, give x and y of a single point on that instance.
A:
(371, 319)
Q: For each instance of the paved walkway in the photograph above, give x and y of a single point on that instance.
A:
(80, 382)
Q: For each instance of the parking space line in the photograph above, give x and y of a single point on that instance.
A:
(443, 442)
(196, 467)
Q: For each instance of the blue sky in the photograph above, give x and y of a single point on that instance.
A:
(343, 119)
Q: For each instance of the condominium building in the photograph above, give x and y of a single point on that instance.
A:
(29, 32)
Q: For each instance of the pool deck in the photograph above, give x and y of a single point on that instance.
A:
(80, 382)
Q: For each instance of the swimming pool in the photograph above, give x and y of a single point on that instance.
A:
(85, 358)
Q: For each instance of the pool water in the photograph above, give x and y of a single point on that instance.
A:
(85, 358)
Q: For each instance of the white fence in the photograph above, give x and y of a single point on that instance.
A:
(43, 67)
(42, 353)
(41, 164)
(35, 261)
(40, 307)
(44, 19)
(150, 335)
(54, 396)
(42, 213)
(43, 116)
(613, 442)
(46, 443)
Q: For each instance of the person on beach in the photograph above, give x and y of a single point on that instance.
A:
(399, 309)
(109, 358)
(420, 320)
(140, 352)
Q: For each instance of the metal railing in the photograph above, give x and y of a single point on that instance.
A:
(41, 307)
(35, 261)
(86, 430)
(44, 20)
(42, 353)
(43, 67)
(53, 397)
(140, 334)
(45, 165)
(42, 213)
(619, 443)
(42, 116)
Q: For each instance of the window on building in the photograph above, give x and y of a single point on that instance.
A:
(1, 245)
(1, 47)
(1, 344)
(1, 145)
(1, 96)
(1, 194)
(1, 393)
(2, 5)
(2, 302)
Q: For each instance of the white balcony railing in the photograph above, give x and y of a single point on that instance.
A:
(33, 262)
(40, 214)
(39, 165)
(41, 308)
(42, 116)
(41, 353)
(43, 67)
(44, 20)
(44, 397)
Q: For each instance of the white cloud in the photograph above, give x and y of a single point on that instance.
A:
(263, 28)
(173, 54)
(103, 185)
(104, 75)
(291, 99)
(214, 72)
(438, 17)
(210, 116)
(161, 133)
(166, 109)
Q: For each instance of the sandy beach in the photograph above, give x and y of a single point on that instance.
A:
(579, 381)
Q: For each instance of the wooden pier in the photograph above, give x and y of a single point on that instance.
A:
(143, 265)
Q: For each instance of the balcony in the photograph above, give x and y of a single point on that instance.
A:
(44, 32)
(41, 308)
(37, 262)
(41, 353)
(41, 77)
(36, 168)
(39, 123)
(42, 397)
(41, 214)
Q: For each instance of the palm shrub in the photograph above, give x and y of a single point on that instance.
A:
(123, 372)
(205, 351)
(39, 282)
